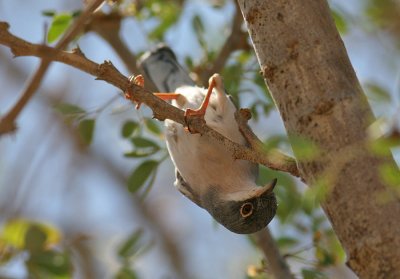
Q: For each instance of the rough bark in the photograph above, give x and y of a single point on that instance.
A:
(307, 70)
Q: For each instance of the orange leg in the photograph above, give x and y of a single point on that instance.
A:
(167, 96)
(201, 111)
(139, 80)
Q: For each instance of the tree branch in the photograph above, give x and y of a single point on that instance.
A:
(236, 40)
(7, 123)
(108, 26)
(161, 109)
(276, 262)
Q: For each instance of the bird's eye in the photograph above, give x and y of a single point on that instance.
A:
(246, 210)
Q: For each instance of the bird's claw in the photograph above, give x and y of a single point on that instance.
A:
(139, 81)
(191, 118)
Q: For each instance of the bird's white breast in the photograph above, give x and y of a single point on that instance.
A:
(199, 159)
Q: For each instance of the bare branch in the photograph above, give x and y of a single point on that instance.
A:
(7, 123)
(236, 40)
(107, 26)
(274, 159)
(276, 263)
(161, 109)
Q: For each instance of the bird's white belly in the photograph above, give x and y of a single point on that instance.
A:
(200, 161)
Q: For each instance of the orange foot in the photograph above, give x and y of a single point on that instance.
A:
(139, 81)
(213, 82)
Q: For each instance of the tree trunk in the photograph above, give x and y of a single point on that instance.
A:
(308, 72)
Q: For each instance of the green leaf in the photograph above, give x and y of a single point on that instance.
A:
(139, 153)
(168, 13)
(141, 142)
(198, 28)
(390, 175)
(86, 128)
(324, 257)
(273, 142)
(126, 273)
(340, 22)
(286, 242)
(140, 175)
(232, 77)
(189, 62)
(143, 147)
(382, 145)
(130, 246)
(316, 194)
(69, 111)
(243, 57)
(58, 26)
(128, 128)
(376, 92)
(49, 13)
(312, 274)
(254, 111)
(153, 127)
(304, 149)
(14, 232)
(198, 25)
(35, 239)
(50, 264)
(76, 13)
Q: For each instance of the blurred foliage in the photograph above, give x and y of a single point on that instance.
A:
(59, 24)
(305, 235)
(385, 14)
(40, 247)
(340, 22)
(78, 119)
(165, 12)
(130, 249)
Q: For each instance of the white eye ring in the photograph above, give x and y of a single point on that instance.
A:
(246, 209)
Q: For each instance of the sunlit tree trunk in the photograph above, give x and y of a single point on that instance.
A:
(308, 72)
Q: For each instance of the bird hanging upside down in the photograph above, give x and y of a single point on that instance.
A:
(206, 172)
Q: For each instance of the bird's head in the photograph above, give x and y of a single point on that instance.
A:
(248, 212)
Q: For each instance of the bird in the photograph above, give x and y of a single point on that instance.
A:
(206, 171)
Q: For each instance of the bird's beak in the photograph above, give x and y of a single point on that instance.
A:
(267, 189)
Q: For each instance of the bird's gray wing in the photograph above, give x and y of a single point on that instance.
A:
(162, 68)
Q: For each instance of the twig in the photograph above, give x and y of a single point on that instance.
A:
(108, 26)
(161, 109)
(236, 40)
(276, 263)
(274, 159)
(7, 123)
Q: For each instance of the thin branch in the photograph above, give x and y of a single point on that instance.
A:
(276, 263)
(108, 27)
(274, 159)
(236, 40)
(161, 109)
(7, 123)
